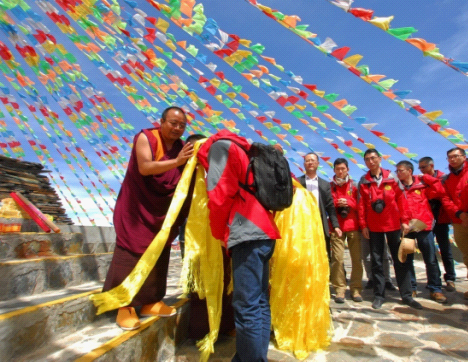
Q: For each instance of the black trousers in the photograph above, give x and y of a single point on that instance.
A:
(402, 270)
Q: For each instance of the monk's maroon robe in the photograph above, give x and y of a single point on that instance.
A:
(140, 210)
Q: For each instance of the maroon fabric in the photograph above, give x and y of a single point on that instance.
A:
(198, 321)
(154, 288)
(143, 202)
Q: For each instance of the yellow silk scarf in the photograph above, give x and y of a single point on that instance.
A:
(299, 269)
(300, 279)
(202, 270)
(123, 294)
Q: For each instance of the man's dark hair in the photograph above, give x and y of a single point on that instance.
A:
(340, 161)
(426, 159)
(312, 153)
(165, 112)
(370, 151)
(406, 164)
(194, 138)
(454, 149)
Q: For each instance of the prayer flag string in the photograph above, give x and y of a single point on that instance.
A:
(351, 62)
(404, 34)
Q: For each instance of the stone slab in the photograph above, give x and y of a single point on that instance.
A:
(41, 325)
(394, 333)
(32, 244)
(28, 277)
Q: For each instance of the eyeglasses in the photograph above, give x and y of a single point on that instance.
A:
(177, 125)
(423, 167)
(451, 157)
(371, 158)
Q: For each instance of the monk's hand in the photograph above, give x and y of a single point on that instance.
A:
(185, 153)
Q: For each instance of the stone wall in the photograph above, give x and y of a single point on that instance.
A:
(26, 177)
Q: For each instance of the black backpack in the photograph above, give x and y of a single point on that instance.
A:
(272, 185)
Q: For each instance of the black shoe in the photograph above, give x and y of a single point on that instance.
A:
(339, 298)
(377, 303)
(413, 304)
(450, 286)
(369, 285)
(389, 286)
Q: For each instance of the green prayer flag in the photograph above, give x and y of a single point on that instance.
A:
(331, 97)
(349, 109)
(402, 33)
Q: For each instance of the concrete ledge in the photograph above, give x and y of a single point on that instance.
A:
(156, 341)
(28, 277)
(91, 234)
(43, 322)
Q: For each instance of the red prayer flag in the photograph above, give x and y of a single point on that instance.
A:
(364, 14)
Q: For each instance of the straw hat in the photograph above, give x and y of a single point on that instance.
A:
(416, 225)
(407, 246)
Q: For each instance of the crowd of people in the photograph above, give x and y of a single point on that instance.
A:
(371, 216)
(384, 207)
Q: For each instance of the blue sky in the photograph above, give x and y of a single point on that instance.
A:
(437, 86)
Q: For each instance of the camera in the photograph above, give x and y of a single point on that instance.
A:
(343, 211)
(378, 205)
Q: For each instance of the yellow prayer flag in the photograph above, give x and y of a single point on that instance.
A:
(433, 115)
(162, 25)
(382, 23)
(319, 93)
(215, 82)
(353, 60)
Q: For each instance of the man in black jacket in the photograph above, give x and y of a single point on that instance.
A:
(321, 189)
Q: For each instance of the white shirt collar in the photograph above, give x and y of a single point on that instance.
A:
(308, 178)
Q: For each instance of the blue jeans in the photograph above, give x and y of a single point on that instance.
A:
(426, 245)
(441, 231)
(250, 261)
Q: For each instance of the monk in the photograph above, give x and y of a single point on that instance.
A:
(156, 163)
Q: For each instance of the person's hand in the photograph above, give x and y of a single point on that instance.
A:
(463, 218)
(405, 228)
(366, 233)
(338, 231)
(185, 153)
(342, 202)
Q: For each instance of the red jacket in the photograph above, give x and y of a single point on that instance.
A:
(418, 194)
(236, 215)
(443, 217)
(456, 187)
(348, 191)
(396, 208)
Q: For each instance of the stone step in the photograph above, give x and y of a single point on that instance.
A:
(38, 319)
(102, 340)
(21, 277)
(37, 244)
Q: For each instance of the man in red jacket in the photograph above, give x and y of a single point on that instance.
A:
(382, 212)
(344, 192)
(441, 229)
(419, 190)
(456, 187)
(249, 232)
